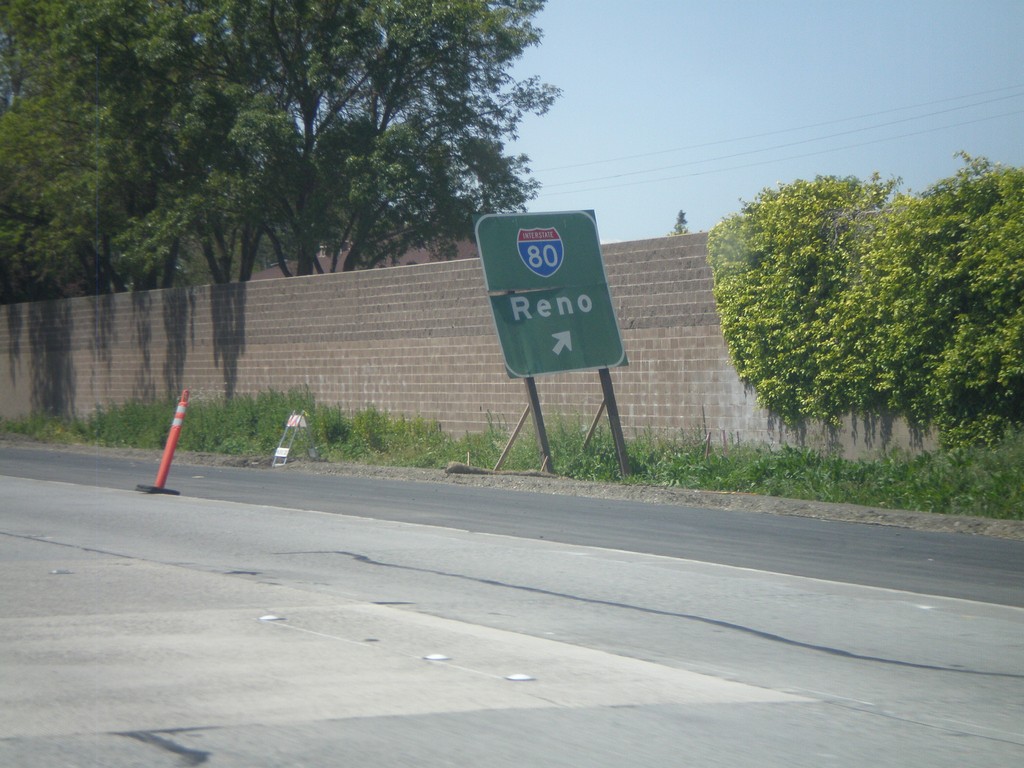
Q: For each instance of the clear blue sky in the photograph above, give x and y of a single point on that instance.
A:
(694, 105)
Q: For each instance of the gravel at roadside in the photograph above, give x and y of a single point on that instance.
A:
(459, 474)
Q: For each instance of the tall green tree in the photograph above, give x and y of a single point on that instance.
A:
(145, 140)
(380, 124)
(680, 228)
(87, 144)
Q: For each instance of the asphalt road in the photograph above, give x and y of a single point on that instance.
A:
(281, 619)
(971, 567)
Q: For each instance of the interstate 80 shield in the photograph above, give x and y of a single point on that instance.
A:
(541, 250)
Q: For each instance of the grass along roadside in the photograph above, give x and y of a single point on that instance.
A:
(980, 481)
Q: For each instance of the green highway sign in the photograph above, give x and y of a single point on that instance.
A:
(549, 294)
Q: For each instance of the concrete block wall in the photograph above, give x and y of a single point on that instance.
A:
(416, 340)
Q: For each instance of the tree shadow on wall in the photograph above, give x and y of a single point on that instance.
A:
(15, 322)
(227, 307)
(142, 308)
(860, 432)
(878, 432)
(53, 371)
(795, 434)
(179, 328)
(103, 329)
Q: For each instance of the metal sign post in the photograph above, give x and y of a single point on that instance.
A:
(613, 421)
(546, 465)
(552, 309)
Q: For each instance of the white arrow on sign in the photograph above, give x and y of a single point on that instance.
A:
(564, 341)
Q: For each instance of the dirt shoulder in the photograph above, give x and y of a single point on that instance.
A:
(458, 474)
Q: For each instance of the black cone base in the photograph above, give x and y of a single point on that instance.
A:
(154, 489)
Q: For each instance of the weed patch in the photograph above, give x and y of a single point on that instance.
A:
(984, 480)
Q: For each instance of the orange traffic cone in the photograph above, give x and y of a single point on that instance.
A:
(172, 443)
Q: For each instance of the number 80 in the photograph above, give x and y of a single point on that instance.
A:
(538, 257)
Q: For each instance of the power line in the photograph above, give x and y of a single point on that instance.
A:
(789, 144)
(778, 159)
(788, 130)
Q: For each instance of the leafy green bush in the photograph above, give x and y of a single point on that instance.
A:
(838, 297)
